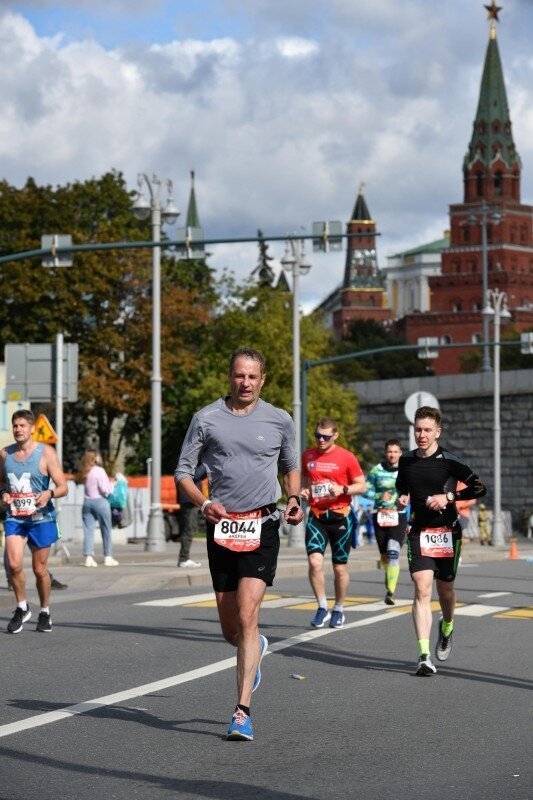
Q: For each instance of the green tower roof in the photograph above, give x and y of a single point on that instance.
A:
(193, 218)
(492, 126)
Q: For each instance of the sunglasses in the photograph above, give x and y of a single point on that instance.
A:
(324, 436)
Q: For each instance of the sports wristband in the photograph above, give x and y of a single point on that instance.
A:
(52, 495)
(295, 496)
(204, 505)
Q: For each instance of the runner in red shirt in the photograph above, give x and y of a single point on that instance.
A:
(331, 475)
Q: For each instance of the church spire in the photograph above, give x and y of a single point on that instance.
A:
(193, 218)
(492, 165)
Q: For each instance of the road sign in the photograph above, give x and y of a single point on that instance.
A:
(327, 236)
(526, 343)
(428, 345)
(43, 431)
(416, 400)
(53, 242)
(31, 371)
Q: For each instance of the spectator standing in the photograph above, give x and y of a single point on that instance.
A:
(98, 486)
(187, 518)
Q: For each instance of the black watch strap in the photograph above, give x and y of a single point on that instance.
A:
(296, 497)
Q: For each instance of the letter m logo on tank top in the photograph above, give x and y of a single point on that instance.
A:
(22, 484)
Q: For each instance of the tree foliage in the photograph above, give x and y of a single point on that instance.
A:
(367, 335)
(103, 303)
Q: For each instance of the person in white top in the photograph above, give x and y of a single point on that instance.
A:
(98, 486)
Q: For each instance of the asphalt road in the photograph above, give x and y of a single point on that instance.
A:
(130, 698)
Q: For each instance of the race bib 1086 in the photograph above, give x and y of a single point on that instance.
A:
(240, 532)
(436, 542)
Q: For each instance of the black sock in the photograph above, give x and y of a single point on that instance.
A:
(246, 709)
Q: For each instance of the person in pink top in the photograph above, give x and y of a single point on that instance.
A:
(96, 508)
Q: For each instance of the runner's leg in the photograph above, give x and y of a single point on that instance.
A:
(15, 545)
(423, 581)
(39, 560)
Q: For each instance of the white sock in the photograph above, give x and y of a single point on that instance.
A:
(23, 605)
(45, 610)
(338, 607)
(323, 602)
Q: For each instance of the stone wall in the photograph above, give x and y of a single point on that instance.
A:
(467, 406)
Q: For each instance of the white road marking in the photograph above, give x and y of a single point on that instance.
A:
(379, 605)
(494, 594)
(169, 602)
(174, 680)
(477, 610)
(282, 602)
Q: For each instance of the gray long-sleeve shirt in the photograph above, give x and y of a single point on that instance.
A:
(242, 453)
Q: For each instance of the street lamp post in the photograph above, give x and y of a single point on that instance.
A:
(295, 261)
(144, 208)
(495, 217)
(496, 309)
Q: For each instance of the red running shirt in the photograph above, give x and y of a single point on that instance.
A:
(336, 466)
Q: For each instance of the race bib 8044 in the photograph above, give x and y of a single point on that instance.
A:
(240, 532)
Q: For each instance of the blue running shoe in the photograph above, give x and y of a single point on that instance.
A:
(241, 727)
(263, 641)
(337, 619)
(322, 615)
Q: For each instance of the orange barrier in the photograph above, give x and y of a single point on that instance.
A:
(513, 550)
(168, 489)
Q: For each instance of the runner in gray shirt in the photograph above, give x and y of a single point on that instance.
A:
(243, 442)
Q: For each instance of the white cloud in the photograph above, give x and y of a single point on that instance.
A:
(280, 124)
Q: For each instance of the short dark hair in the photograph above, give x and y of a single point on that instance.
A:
(327, 422)
(393, 443)
(428, 412)
(248, 352)
(23, 413)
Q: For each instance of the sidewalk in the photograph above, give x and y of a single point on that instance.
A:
(141, 571)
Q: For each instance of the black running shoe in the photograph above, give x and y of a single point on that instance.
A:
(425, 666)
(16, 623)
(389, 599)
(444, 644)
(57, 584)
(44, 623)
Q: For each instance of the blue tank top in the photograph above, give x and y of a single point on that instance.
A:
(25, 477)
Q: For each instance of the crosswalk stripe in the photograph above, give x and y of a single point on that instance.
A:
(478, 610)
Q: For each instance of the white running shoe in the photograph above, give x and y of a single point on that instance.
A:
(189, 564)
(109, 561)
(90, 562)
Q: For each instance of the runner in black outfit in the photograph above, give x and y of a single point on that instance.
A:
(427, 479)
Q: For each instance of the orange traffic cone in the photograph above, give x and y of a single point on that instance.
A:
(513, 550)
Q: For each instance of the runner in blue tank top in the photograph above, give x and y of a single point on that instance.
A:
(26, 468)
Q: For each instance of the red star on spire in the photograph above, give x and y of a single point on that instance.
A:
(493, 10)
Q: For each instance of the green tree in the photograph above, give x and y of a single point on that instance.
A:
(103, 303)
(259, 317)
(367, 335)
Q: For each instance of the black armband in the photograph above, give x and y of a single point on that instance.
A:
(296, 497)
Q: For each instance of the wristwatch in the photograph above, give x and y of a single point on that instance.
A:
(450, 497)
(346, 489)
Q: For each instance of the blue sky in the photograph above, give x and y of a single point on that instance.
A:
(282, 107)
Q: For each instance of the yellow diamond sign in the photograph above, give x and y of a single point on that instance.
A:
(43, 431)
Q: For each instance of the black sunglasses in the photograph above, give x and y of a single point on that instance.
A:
(324, 436)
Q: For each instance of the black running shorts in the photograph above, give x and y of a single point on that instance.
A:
(227, 567)
(444, 569)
